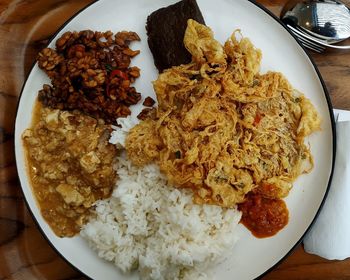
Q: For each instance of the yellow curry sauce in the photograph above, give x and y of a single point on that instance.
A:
(70, 164)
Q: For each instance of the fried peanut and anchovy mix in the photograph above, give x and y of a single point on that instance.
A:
(90, 71)
(223, 129)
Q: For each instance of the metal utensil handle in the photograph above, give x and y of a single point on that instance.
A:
(312, 39)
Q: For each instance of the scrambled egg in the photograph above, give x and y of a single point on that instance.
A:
(222, 128)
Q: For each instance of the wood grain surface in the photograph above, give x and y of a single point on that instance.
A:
(25, 28)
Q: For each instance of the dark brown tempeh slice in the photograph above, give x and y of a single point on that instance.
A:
(166, 29)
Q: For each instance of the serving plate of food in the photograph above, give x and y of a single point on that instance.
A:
(174, 140)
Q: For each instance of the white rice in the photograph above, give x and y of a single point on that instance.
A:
(119, 134)
(152, 227)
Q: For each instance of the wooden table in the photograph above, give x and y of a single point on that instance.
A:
(25, 27)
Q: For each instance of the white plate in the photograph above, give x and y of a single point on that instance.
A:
(252, 257)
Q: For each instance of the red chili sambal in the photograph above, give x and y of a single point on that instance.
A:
(263, 216)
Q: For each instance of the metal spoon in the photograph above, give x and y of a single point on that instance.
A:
(328, 20)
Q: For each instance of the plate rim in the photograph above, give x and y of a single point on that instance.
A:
(326, 95)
